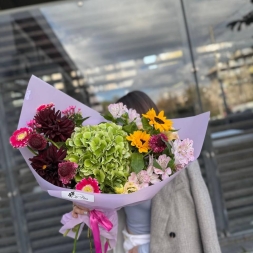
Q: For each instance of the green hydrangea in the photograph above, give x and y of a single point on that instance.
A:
(101, 151)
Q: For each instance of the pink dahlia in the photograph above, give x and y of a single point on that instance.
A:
(67, 171)
(20, 137)
(44, 106)
(88, 185)
(157, 144)
(37, 141)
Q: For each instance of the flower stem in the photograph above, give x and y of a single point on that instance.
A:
(77, 227)
(32, 150)
(66, 232)
(89, 236)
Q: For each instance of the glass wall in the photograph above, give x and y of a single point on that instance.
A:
(182, 54)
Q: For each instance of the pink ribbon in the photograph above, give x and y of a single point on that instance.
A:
(97, 218)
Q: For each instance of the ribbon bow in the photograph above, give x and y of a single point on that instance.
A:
(98, 218)
(101, 223)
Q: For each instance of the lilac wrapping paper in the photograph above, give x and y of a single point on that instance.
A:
(38, 92)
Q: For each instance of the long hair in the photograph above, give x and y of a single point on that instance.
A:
(139, 101)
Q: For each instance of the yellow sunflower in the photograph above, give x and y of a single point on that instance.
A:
(140, 140)
(158, 121)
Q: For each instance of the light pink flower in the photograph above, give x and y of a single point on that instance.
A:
(163, 161)
(183, 152)
(134, 116)
(141, 179)
(117, 110)
(71, 111)
(154, 178)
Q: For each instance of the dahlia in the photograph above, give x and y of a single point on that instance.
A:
(88, 185)
(37, 141)
(156, 142)
(53, 125)
(46, 164)
(67, 171)
(20, 137)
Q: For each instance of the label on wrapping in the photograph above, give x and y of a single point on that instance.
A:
(77, 196)
(27, 94)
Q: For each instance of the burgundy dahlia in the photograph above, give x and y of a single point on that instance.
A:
(156, 142)
(53, 125)
(67, 171)
(37, 141)
(46, 164)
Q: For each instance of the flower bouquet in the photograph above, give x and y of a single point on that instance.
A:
(102, 163)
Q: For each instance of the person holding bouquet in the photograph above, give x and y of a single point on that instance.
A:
(178, 219)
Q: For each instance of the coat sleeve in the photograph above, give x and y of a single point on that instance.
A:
(204, 210)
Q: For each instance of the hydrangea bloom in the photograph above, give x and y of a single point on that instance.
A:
(101, 151)
(183, 152)
(117, 110)
(163, 161)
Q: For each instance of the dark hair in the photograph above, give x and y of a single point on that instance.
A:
(139, 101)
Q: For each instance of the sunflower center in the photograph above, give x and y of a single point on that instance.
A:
(88, 188)
(159, 121)
(142, 141)
(21, 136)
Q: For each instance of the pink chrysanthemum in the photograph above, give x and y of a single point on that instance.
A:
(20, 137)
(37, 141)
(67, 171)
(44, 106)
(88, 185)
(183, 152)
(157, 144)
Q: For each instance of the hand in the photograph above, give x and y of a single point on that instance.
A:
(133, 250)
(79, 210)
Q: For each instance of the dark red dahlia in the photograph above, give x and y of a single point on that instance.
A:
(156, 142)
(37, 141)
(53, 125)
(46, 164)
(67, 171)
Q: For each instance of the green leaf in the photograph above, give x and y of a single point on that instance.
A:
(157, 165)
(79, 122)
(109, 117)
(120, 121)
(130, 128)
(145, 123)
(171, 164)
(137, 162)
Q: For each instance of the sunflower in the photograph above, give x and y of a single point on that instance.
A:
(158, 121)
(140, 140)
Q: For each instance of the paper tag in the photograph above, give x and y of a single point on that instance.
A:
(77, 196)
(27, 94)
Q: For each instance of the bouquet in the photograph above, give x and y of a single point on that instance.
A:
(76, 154)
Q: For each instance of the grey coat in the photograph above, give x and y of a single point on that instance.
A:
(182, 219)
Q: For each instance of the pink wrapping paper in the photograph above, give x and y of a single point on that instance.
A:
(38, 92)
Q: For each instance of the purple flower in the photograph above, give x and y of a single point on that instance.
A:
(157, 144)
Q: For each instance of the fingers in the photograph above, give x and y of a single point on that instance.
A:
(79, 210)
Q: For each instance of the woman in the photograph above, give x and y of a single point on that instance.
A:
(179, 219)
